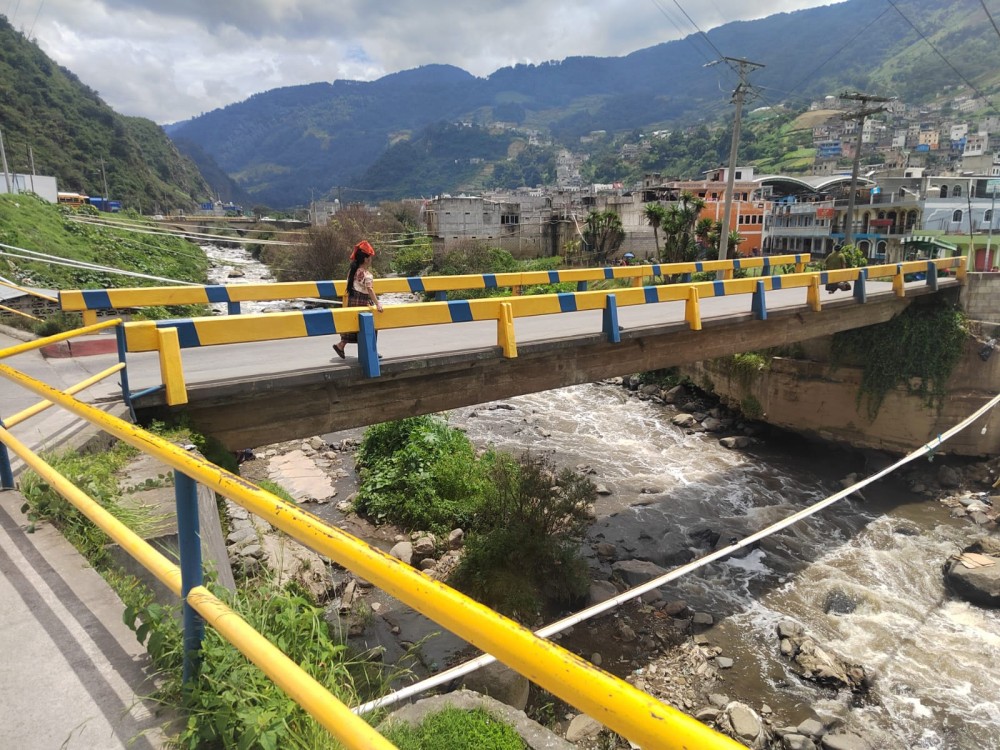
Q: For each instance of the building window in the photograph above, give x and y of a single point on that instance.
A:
(956, 192)
(988, 216)
(957, 215)
(944, 191)
(509, 219)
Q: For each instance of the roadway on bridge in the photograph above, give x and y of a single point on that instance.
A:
(231, 362)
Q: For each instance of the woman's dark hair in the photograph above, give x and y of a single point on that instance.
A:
(355, 265)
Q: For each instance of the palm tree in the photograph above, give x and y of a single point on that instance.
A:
(655, 214)
(682, 216)
(603, 233)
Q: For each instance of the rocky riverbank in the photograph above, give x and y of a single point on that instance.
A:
(665, 647)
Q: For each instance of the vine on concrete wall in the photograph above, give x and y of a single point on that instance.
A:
(918, 349)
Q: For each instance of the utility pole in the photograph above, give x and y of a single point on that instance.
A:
(859, 115)
(3, 155)
(107, 196)
(745, 67)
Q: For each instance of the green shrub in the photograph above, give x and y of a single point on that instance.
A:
(58, 323)
(232, 703)
(412, 260)
(455, 729)
(523, 551)
(420, 474)
(918, 349)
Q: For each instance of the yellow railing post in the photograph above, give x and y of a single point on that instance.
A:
(505, 330)
(168, 345)
(636, 281)
(89, 317)
(692, 309)
(812, 294)
(899, 283)
(962, 270)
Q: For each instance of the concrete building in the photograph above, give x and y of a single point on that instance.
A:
(43, 186)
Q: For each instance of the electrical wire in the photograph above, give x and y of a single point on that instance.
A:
(36, 257)
(598, 609)
(989, 16)
(938, 52)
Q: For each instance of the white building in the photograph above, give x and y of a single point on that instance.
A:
(42, 185)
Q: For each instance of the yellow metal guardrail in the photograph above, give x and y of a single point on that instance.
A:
(107, 299)
(613, 702)
(169, 337)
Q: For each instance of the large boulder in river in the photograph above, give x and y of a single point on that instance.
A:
(974, 575)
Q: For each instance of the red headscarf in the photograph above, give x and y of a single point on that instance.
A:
(363, 248)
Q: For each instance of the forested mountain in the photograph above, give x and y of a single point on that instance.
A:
(50, 117)
(285, 144)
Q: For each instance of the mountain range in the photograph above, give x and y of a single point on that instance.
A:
(322, 140)
(438, 128)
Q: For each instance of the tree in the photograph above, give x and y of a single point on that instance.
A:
(655, 214)
(603, 234)
(679, 226)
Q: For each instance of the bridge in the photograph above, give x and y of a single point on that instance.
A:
(443, 355)
(436, 355)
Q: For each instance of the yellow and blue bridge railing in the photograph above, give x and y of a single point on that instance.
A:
(169, 337)
(613, 702)
(90, 301)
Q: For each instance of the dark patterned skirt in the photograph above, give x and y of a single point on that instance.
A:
(356, 299)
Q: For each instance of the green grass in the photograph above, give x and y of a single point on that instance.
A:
(455, 729)
(33, 224)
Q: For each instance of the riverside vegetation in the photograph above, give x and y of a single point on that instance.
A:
(231, 704)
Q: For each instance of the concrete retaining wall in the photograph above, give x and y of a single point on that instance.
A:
(980, 297)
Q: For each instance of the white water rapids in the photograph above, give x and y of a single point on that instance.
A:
(935, 658)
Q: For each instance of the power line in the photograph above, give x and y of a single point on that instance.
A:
(947, 62)
(989, 16)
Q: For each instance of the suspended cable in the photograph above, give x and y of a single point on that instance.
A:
(36, 257)
(989, 16)
(557, 627)
(947, 62)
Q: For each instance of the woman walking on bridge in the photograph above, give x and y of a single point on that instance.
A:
(360, 288)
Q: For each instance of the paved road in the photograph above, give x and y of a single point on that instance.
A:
(70, 672)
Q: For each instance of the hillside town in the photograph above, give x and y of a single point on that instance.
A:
(925, 189)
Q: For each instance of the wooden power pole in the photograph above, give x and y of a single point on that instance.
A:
(859, 114)
(745, 67)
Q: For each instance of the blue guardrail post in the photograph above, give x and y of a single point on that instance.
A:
(126, 393)
(367, 352)
(860, 287)
(6, 472)
(189, 543)
(757, 303)
(610, 326)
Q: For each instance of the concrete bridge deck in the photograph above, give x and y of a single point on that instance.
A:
(278, 390)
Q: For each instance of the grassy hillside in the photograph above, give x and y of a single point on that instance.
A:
(49, 116)
(33, 224)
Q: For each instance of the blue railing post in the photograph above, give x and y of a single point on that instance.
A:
(860, 292)
(441, 296)
(758, 306)
(6, 472)
(367, 352)
(189, 544)
(233, 308)
(611, 329)
(581, 286)
(932, 279)
(126, 391)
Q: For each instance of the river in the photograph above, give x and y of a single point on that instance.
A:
(937, 685)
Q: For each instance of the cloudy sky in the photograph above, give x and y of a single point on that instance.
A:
(169, 60)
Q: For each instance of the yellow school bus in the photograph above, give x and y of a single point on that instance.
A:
(76, 200)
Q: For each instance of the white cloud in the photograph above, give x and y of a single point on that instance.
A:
(172, 60)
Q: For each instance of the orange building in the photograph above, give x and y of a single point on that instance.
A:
(748, 211)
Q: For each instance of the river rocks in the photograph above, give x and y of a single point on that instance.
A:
(974, 575)
(740, 721)
(812, 662)
(635, 572)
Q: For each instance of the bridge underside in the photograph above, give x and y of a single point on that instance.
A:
(251, 413)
